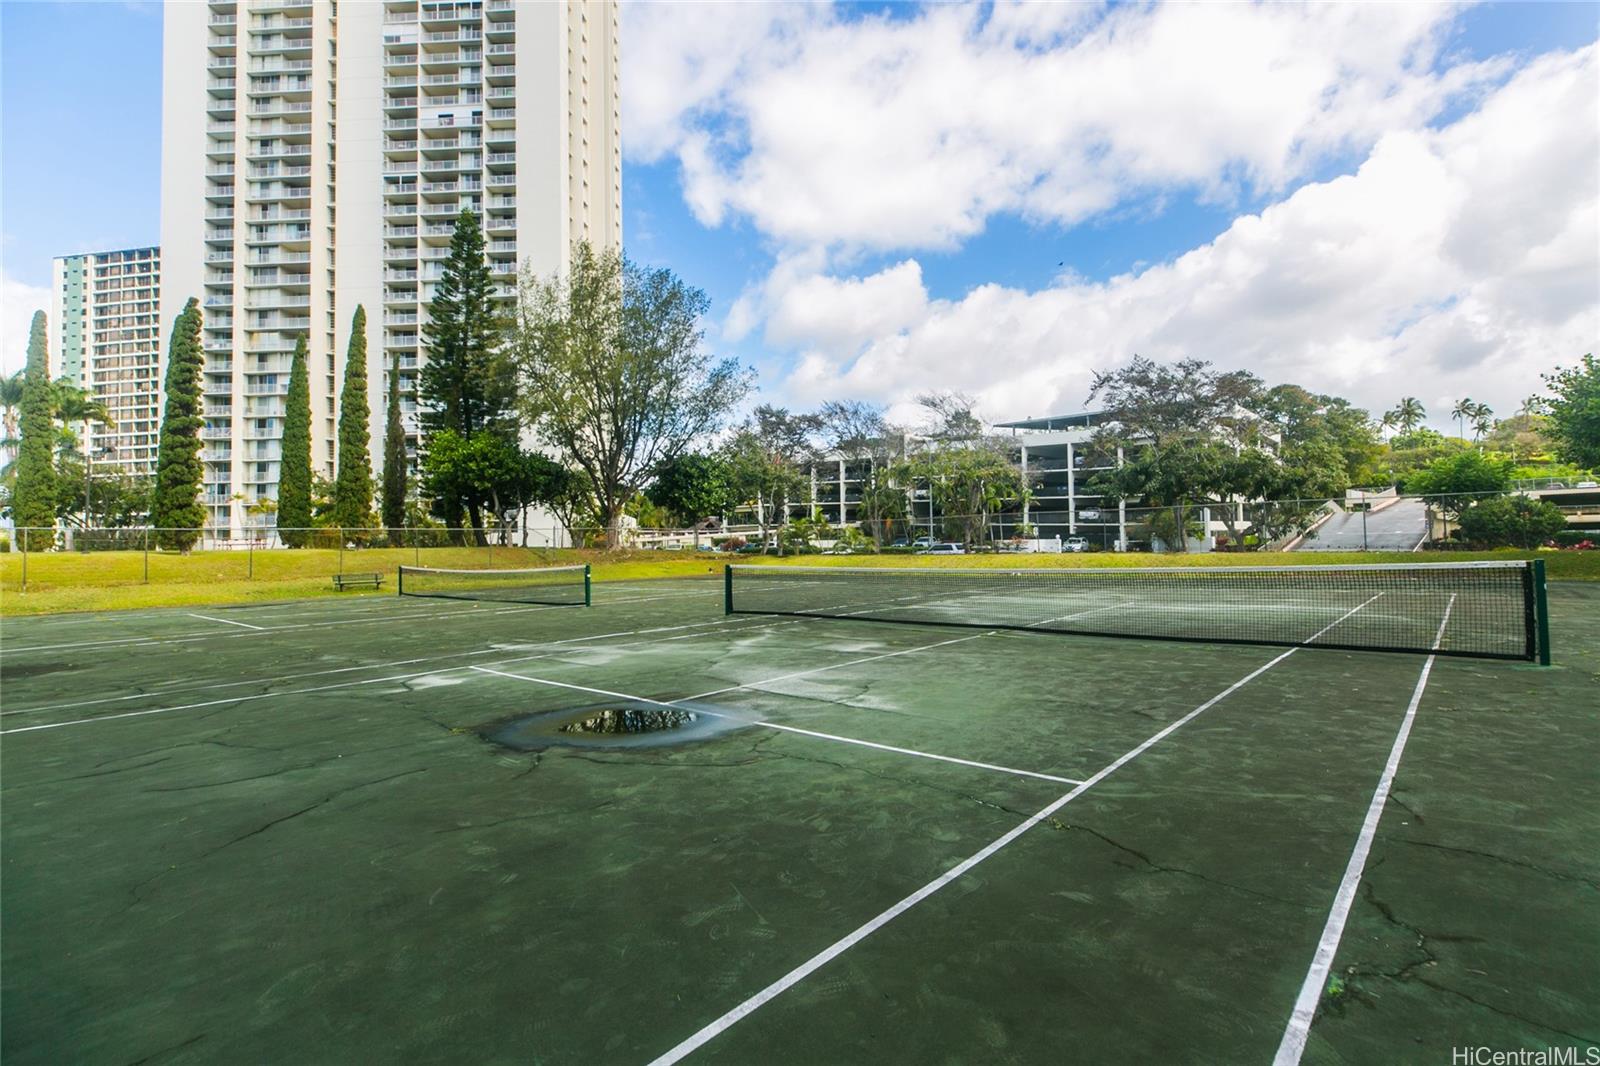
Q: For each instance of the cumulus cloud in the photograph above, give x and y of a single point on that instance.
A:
(908, 133)
(1454, 261)
(18, 302)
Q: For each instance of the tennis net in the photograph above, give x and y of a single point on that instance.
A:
(1484, 609)
(563, 586)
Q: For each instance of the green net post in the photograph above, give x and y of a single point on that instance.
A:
(727, 588)
(399, 580)
(588, 587)
(1541, 612)
(24, 532)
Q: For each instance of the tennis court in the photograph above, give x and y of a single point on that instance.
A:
(356, 830)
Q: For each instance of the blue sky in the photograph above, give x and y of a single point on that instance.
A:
(100, 65)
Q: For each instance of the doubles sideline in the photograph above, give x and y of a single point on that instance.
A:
(1295, 1034)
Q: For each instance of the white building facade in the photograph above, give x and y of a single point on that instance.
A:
(106, 340)
(315, 157)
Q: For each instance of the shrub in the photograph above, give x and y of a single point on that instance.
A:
(1511, 521)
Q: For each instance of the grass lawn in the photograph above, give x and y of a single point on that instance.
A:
(104, 581)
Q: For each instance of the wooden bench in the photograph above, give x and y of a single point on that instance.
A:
(354, 581)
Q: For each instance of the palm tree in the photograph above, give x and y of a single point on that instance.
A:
(74, 406)
(1482, 419)
(1461, 412)
(1407, 414)
(10, 404)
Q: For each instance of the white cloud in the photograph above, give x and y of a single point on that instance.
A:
(903, 133)
(18, 302)
(1461, 261)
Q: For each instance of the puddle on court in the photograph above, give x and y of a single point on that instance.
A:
(615, 724)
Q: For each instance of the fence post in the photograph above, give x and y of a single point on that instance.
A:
(250, 551)
(416, 547)
(24, 532)
(491, 551)
(340, 531)
(147, 555)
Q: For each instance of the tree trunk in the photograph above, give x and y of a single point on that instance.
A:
(613, 516)
(475, 512)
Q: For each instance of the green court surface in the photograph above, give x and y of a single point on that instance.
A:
(281, 833)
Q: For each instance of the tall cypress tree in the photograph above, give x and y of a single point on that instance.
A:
(294, 477)
(467, 384)
(33, 500)
(394, 457)
(175, 508)
(352, 488)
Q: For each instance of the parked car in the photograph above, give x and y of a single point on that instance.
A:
(1587, 485)
(923, 541)
(899, 542)
(946, 548)
(1076, 544)
(753, 548)
(1089, 514)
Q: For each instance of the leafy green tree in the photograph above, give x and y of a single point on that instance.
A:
(692, 486)
(1192, 436)
(394, 457)
(490, 473)
(352, 490)
(614, 373)
(767, 460)
(861, 435)
(33, 498)
(1511, 521)
(294, 477)
(1152, 403)
(175, 505)
(1455, 482)
(1574, 412)
(969, 481)
(1307, 420)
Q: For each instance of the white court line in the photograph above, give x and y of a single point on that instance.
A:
(1298, 1030)
(1079, 614)
(225, 621)
(924, 754)
(839, 947)
(756, 685)
(351, 684)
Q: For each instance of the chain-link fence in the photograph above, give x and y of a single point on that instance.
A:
(1378, 521)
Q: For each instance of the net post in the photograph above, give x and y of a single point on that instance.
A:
(727, 588)
(588, 587)
(400, 580)
(1541, 612)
